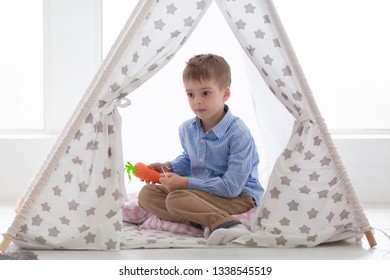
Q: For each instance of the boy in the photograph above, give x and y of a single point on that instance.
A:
(216, 175)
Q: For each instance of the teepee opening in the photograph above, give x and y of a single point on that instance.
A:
(150, 123)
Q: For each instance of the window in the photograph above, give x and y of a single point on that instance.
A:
(21, 67)
(114, 16)
(343, 48)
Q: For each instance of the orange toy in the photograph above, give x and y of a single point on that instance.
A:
(143, 172)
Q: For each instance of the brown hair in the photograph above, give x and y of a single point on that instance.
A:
(208, 67)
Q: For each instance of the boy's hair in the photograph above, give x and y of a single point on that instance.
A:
(208, 67)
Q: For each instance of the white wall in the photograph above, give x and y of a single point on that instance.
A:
(73, 56)
(366, 159)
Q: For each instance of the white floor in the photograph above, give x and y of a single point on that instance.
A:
(378, 215)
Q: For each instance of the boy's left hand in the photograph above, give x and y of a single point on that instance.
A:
(172, 182)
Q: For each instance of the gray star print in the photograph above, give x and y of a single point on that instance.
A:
(110, 244)
(312, 213)
(77, 160)
(314, 176)
(337, 197)
(323, 194)
(159, 24)
(249, 9)
(344, 214)
(117, 195)
(36, 221)
(117, 226)
(83, 228)
(312, 238)
(309, 155)
(110, 214)
(268, 59)
(287, 71)
(73, 205)
(189, 21)
(90, 238)
(90, 211)
(53, 232)
(45, 207)
(274, 193)
(68, 177)
(325, 161)
(281, 241)
(240, 24)
(285, 180)
(287, 154)
(64, 221)
(124, 70)
(293, 205)
(265, 214)
(295, 168)
(304, 229)
(330, 217)
(106, 173)
(333, 182)
(259, 34)
(135, 57)
(83, 187)
(78, 135)
(284, 222)
(100, 191)
(304, 190)
(89, 119)
(171, 9)
(146, 41)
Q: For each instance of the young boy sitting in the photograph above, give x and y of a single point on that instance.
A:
(216, 176)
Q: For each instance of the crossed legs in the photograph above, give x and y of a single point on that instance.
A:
(197, 207)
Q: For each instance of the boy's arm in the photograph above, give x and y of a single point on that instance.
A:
(181, 165)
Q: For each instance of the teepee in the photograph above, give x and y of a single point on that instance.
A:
(75, 200)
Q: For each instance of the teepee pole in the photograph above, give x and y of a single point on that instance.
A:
(5, 243)
(370, 238)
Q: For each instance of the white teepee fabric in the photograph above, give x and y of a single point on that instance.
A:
(75, 200)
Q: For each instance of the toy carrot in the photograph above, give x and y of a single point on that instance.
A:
(143, 172)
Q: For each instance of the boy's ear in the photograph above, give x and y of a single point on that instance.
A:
(226, 94)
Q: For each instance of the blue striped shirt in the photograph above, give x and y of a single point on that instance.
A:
(223, 161)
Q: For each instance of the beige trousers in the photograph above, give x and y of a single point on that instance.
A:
(193, 206)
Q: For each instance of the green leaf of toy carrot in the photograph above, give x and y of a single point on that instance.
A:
(130, 168)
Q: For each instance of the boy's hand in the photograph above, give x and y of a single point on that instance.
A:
(159, 166)
(171, 181)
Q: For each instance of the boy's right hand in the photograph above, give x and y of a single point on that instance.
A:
(159, 166)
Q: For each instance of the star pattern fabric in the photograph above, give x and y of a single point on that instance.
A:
(78, 205)
(81, 206)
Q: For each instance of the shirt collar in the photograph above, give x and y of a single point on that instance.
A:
(220, 129)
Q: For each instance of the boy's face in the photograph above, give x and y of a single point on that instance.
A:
(207, 100)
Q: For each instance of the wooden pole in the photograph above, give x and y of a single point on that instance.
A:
(5, 244)
(370, 238)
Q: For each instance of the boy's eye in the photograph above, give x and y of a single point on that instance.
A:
(206, 93)
(190, 94)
